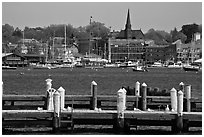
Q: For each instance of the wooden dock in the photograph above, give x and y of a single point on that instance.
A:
(44, 118)
(20, 111)
(62, 112)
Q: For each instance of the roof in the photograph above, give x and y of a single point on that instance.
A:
(32, 55)
(6, 54)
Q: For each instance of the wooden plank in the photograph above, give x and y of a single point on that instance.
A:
(20, 107)
(83, 98)
(145, 115)
(14, 114)
(192, 116)
(23, 97)
(27, 123)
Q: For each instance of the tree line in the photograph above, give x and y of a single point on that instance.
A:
(95, 29)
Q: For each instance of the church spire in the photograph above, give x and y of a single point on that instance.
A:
(128, 24)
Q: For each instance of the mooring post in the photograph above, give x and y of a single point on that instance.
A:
(61, 90)
(50, 101)
(181, 86)
(48, 86)
(2, 87)
(173, 94)
(188, 97)
(179, 124)
(144, 96)
(137, 93)
(57, 110)
(94, 95)
(121, 106)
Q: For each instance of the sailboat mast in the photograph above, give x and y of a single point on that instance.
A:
(65, 41)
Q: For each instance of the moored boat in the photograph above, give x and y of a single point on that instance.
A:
(140, 69)
(8, 68)
(191, 68)
(128, 64)
(44, 66)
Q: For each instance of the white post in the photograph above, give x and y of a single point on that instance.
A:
(137, 93)
(61, 90)
(50, 93)
(48, 84)
(2, 87)
(94, 95)
(137, 88)
(188, 97)
(180, 111)
(180, 103)
(144, 96)
(181, 86)
(121, 102)
(57, 109)
(173, 94)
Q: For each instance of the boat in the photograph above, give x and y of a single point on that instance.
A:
(191, 68)
(8, 68)
(127, 64)
(44, 66)
(79, 65)
(140, 69)
(108, 65)
(157, 64)
(174, 65)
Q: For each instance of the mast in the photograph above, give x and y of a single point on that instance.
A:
(53, 51)
(65, 41)
(23, 37)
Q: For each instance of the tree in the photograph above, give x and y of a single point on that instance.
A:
(178, 35)
(7, 32)
(157, 36)
(189, 31)
(97, 29)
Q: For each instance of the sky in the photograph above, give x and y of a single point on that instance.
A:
(143, 15)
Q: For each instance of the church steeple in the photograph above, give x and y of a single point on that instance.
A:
(128, 30)
(128, 24)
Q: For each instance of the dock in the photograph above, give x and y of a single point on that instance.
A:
(62, 112)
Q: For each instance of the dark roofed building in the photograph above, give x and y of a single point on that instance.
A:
(127, 44)
(128, 33)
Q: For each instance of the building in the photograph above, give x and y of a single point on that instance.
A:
(128, 33)
(121, 50)
(188, 53)
(128, 44)
(13, 60)
(160, 53)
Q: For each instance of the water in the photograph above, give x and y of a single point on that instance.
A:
(78, 80)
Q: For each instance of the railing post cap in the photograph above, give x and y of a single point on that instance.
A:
(121, 90)
(60, 89)
(180, 92)
(93, 83)
(48, 80)
(124, 90)
(173, 90)
(181, 83)
(56, 92)
(137, 82)
(144, 85)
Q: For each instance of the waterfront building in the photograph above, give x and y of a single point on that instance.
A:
(13, 60)
(160, 53)
(127, 44)
(188, 53)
